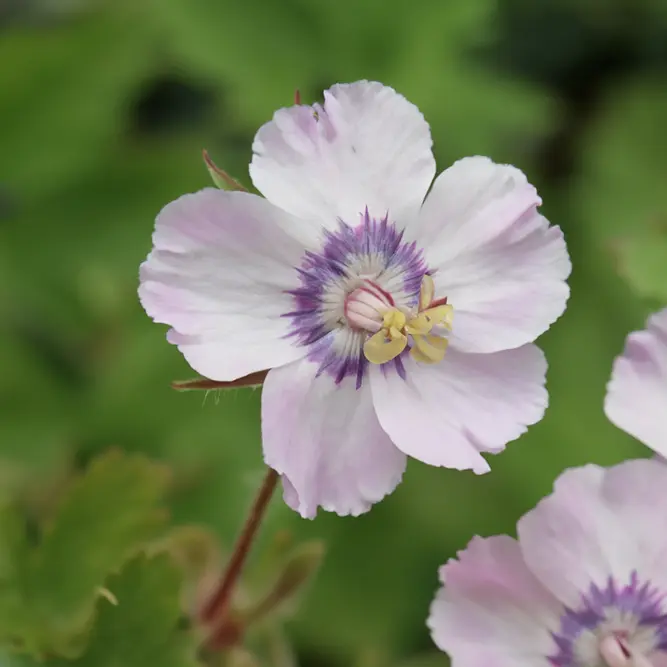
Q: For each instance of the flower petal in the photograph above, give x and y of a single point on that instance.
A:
(367, 146)
(635, 493)
(326, 442)
(636, 398)
(445, 414)
(598, 523)
(492, 610)
(218, 273)
(562, 537)
(497, 260)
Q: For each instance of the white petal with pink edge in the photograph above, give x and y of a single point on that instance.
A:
(366, 146)
(218, 273)
(498, 261)
(326, 442)
(492, 610)
(636, 398)
(445, 414)
(599, 523)
(635, 493)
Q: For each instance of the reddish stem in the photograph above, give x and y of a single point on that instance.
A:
(218, 604)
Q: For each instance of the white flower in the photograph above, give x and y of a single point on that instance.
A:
(349, 285)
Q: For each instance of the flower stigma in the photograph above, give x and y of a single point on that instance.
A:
(371, 309)
(616, 652)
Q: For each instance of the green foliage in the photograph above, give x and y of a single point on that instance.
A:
(82, 177)
(51, 581)
(297, 570)
(143, 627)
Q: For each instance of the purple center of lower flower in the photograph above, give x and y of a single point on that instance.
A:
(614, 626)
(365, 282)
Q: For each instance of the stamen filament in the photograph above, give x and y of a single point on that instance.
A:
(392, 337)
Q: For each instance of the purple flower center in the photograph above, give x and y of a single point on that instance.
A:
(631, 614)
(354, 265)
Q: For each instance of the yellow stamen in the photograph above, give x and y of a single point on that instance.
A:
(426, 292)
(440, 315)
(392, 338)
(429, 349)
(426, 320)
(394, 319)
(419, 325)
(385, 345)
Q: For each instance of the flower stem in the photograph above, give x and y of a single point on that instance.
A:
(218, 604)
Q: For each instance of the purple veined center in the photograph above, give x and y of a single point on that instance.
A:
(356, 267)
(612, 626)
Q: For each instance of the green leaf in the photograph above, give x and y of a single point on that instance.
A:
(142, 629)
(49, 590)
(296, 572)
(198, 554)
(642, 261)
(108, 513)
(15, 617)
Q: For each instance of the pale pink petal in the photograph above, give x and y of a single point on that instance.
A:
(492, 611)
(326, 442)
(659, 659)
(634, 491)
(366, 146)
(218, 273)
(636, 398)
(445, 414)
(562, 538)
(598, 523)
(497, 260)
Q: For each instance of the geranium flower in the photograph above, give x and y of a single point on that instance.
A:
(636, 398)
(393, 325)
(585, 585)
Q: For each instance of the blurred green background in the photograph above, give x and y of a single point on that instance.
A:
(104, 110)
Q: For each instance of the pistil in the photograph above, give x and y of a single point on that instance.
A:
(616, 652)
(391, 338)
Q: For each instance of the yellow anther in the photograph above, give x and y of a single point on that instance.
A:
(419, 325)
(392, 338)
(429, 349)
(394, 319)
(389, 342)
(426, 320)
(440, 315)
(426, 292)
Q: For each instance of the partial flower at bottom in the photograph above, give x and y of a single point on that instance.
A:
(585, 585)
(393, 323)
(636, 398)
